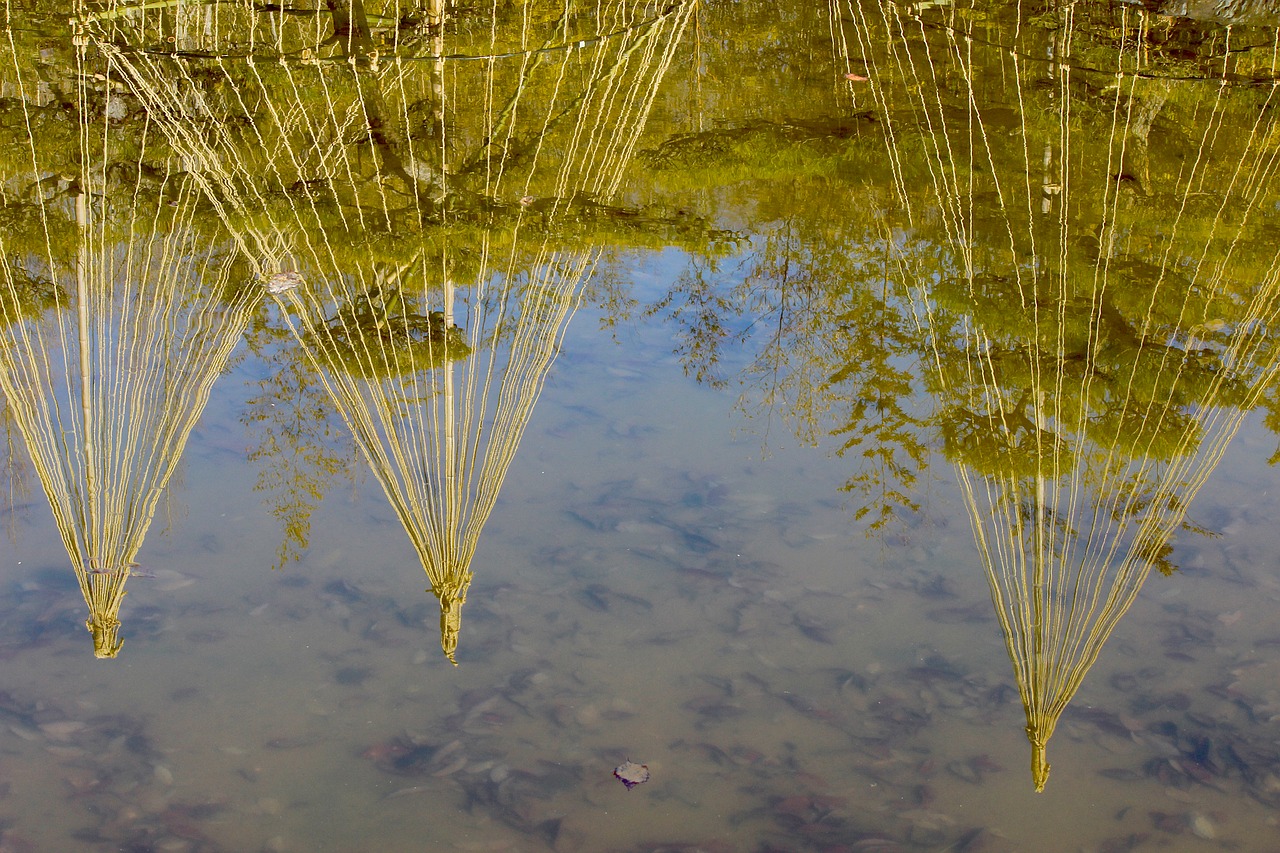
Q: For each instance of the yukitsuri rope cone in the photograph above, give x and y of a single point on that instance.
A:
(118, 311)
(1097, 321)
(420, 201)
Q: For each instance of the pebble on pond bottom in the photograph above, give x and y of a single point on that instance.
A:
(631, 774)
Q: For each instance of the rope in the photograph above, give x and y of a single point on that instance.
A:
(108, 374)
(1073, 494)
(418, 254)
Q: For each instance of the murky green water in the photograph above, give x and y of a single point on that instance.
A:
(755, 386)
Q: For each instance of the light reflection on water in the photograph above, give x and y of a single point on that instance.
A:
(652, 586)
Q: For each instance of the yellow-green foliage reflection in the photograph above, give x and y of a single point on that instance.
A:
(1084, 274)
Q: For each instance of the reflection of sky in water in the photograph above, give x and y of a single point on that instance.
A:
(655, 586)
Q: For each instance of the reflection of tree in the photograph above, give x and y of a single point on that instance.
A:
(1092, 349)
(409, 339)
(426, 220)
(822, 178)
(799, 320)
(17, 472)
(830, 343)
(117, 313)
(299, 451)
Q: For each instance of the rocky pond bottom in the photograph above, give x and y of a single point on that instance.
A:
(647, 593)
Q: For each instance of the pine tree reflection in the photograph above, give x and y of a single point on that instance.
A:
(1098, 317)
(426, 206)
(118, 311)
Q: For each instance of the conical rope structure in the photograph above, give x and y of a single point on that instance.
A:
(118, 311)
(1098, 319)
(421, 203)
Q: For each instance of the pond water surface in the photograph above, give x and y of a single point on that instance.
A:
(691, 564)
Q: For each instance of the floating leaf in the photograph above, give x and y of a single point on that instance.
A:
(631, 774)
